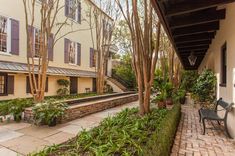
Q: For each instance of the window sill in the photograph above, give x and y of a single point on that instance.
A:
(5, 53)
(222, 85)
(73, 20)
(71, 64)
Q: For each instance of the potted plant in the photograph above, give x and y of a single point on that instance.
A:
(17, 106)
(169, 91)
(161, 100)
(49, 112)
(181, 95)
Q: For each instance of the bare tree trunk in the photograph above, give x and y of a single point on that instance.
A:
(144, 31)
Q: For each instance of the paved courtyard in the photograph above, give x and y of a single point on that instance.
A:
(189, 140)
(23, 138)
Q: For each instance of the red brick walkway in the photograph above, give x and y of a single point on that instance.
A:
(189, 140)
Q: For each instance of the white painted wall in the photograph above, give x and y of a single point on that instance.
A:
(213, 58)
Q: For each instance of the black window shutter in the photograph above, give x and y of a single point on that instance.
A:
(91, 57)
(46, 88)
(79, 54)
(50, 47)
(66, 8)
(79, 19)
(10, 84)
(27, 85)
(15, 36)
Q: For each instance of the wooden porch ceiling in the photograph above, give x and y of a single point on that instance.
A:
(191, 25)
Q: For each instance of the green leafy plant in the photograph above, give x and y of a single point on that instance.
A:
(204, 88)
(15, 107)
(179, 95)
(64, 84)
(4, 108)
(161, 97)
(189, 78)
(125, 72)
(49, 111)
(127, 134)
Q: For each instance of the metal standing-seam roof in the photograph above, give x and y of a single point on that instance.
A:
(14, 67)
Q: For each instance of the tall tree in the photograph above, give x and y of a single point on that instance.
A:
(144, 28)
(103, 18)
(49, 33)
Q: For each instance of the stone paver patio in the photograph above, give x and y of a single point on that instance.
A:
(23, 138)
(189, 140)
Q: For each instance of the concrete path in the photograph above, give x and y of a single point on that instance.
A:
(23, 138)
(189, 140)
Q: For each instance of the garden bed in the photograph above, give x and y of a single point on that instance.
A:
(125, 134)
(10, 108)
(82, 107)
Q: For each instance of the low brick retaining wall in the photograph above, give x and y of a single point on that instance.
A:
(83, 109)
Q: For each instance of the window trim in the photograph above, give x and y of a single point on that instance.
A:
(8, 40)
(5, 84)
(223, 76)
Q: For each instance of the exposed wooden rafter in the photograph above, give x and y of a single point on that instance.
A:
(195, 43)
(187, 6)
(194, 37)
(197, 18)
(208, 27)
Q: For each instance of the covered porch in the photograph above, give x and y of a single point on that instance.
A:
(204, 29)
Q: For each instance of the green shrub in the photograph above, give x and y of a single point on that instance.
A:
(162, 140)
(189, 78)
(204, 88)
(64, 84)
(4, 108)
(15, 107)
(46, 112)
(127, 134)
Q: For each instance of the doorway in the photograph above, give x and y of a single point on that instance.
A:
(73, 85)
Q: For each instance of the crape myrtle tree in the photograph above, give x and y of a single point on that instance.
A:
(103, 19)
(169, 62)
(47, 12)
(144, 28)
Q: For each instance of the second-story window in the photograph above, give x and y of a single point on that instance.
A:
(37, 43)
(72, 53)
(73, 10)
(3, 34)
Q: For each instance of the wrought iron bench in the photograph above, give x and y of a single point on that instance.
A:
(212, 114)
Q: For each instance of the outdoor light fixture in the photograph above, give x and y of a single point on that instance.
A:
(192, 59)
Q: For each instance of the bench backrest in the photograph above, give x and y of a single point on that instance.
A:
(226, 106)
(222, 103)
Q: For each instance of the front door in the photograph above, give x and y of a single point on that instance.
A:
(73, 85)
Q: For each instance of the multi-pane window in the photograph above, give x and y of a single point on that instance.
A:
(3, 34)
(37, 43)
(3, 84)
(72, 52)
(72, 9)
